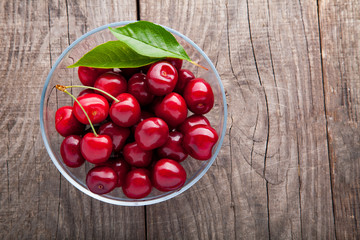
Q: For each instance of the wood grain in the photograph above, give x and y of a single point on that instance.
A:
(340, 34)
(36, 201)
(290, 162)
(271, 179)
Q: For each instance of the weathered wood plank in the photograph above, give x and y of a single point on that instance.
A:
(340, 34)
(274, 161)
(36, 202)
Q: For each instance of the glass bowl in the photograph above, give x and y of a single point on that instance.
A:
(51, 100)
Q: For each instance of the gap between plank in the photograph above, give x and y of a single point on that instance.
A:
(326, 121)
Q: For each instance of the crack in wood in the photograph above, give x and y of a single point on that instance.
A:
(267, 115)
(331, 167)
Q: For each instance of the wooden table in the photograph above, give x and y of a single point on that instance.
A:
(290, 163)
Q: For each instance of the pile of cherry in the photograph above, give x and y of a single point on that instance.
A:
(141, 136)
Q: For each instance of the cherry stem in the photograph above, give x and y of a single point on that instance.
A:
(196, 64)
(63, 89)
(94, 88)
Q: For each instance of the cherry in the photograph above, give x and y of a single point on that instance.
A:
(88, 75)
(199, 141)
(70, 151)
(145, 69)
(168, 175)
(143, 115)
(128, 72)
(136, 156)
(137, 184)
(151, 133)
(85, 91)
(138, 88)
(193, 120)
(161, 78)
(112, 83)
(95, 105)
(172, 109)
(184, 77)
(126, 112)
(155, 104)
(117, 134)
(173, 148)
(120, 166)
(96, 148)
(66, 123)
(177, 63)
(101, 179)
(199, 96)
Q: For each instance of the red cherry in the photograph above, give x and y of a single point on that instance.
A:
(121, 167)
(199, 96)
(112, 83)
(96, 149)
(95, 105)
(161, 78)
(151, 133)
(143, 115)
(128, 72)
(199, 141)
(85, 91)
(172, 109)
(101, 179)
(66, 123)
(155, 104)
(145, 69)
(173, 148)
(138, 88)
(137, 184)
(193, 120)
(70, 151)
(126, 112)
(117, 134)
(184, 77)
(168, 175)
(88, 75)
(177, 63)
(136, 156)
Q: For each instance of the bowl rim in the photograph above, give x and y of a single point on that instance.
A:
(136, 202)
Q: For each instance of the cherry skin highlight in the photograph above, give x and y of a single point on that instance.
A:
(112, 83)
(137, 184)
(101, 179)
(143, 115)
(151, 133)
(199, 96)
(177, 63)
(126, 112)
(88, 75)
(193, 120)
(117, 134)
(199, 141)
(85, 91)
(168, 175)
(95, 105)
(70, 151)
(173, 148)
(172, 109)
(66, 123)
(184, 77)
(120, 166)
(161, 78)
(136, 156)
(96, 149)
(138, 88)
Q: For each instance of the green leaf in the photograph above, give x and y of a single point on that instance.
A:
(149, 39)
(114, 54)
